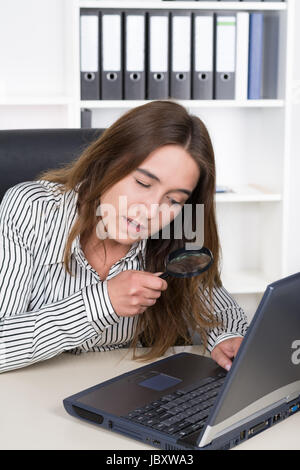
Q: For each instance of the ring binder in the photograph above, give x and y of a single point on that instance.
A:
(89, 55)
(180, 84)
(111, 55)
(225, 56)
(158, 55)
(256, 27)
(242, 55)
(134, 73)
(203, 52)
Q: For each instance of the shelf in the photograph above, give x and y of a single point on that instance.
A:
(246, 282)
(188, 103)
(35, 101)
(248, 193)
(184, 5)
(64, 100)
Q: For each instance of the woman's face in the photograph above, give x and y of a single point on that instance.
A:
(152, 195)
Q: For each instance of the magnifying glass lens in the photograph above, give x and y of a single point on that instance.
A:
(188, 263)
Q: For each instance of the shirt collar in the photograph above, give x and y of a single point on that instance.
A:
(135, 249)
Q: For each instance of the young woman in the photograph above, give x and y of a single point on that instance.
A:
(73, 278)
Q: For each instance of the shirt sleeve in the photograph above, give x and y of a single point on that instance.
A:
(27, 337)
(227, 310)
(233, 318)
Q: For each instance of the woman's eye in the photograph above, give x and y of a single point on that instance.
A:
(174, 202)
(142, 184)
(148, 186)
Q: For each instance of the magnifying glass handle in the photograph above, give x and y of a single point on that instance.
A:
(164, 275)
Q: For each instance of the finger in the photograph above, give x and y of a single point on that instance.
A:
(164, 283)
(150, 282)
(231, 346)
(156, 284)
(237, 344)
(221, 359)
(147, 302)
(147, 293)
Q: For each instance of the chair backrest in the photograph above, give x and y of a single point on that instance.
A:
(26, 153)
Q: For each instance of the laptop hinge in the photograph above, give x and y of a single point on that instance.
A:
(255, 409)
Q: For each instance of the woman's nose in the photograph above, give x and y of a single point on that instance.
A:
(153, 210)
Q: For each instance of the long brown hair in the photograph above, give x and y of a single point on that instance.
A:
(122, 147)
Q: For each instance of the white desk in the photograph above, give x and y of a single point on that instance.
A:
(33, 416)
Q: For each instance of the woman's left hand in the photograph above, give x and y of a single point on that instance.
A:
(225, 351)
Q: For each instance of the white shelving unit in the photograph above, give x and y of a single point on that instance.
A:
(179, 5)
(35, 101)
(250, 142)
(254, 149)
(103, 104)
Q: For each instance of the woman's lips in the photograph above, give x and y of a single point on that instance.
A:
(131, 223)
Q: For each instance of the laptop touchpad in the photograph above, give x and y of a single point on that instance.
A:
(160, 382)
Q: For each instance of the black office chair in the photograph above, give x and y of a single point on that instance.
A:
(26, 153)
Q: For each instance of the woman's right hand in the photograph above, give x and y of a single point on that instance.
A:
(132, 291)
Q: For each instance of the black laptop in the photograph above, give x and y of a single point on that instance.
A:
(186, 401)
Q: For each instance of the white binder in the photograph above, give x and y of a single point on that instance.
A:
(89, 56)
(180, 86)
(111, 55)
(203, 56)
(225, 56)
(134, 76)
(158, 55)
(242, 56)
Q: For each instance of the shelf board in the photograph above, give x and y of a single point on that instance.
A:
(193, 5)
(188, 103)
(100, 104)
(246, 282)
(35, 101)
(248, 193)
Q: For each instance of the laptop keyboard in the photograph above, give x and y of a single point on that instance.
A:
(183, 412)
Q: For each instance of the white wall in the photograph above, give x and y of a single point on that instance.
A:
(32, 62)
(32, 47)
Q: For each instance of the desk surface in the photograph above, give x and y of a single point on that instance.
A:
(33, 416)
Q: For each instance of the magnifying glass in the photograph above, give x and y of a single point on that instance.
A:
(187, 263)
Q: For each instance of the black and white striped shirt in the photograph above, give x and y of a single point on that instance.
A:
(43, 310)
